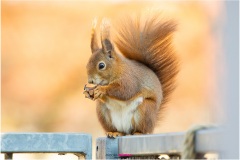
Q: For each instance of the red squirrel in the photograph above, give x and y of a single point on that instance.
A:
(133, 83)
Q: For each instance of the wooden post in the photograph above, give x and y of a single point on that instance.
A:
(107, 148)
(8, 156)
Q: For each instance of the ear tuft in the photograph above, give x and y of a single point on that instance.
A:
(94, 43)
(105, 37)
(105, 28)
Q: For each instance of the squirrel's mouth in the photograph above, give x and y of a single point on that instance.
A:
(103, 83)
(98, 81)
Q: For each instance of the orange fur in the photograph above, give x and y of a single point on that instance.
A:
(149, 41)
(134, 86)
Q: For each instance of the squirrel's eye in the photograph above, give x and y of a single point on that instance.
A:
(101, 65)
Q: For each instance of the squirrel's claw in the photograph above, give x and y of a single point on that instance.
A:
(137, 133)
(87, 95)
(114, 134)
(89, 92)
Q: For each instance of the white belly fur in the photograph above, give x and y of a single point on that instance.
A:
(122, 112)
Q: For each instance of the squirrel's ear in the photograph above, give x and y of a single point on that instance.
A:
(107, 48)
(94, 43)
(107, 45)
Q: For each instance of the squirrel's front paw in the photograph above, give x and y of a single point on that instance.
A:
(89, 92)
(99, 92)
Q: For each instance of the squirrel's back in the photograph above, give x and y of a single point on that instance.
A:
(149, 41)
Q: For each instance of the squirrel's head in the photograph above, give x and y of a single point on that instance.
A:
(102, 63)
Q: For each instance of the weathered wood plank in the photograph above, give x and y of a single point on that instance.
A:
(154, 144)
(47, 143)
(209, 140)
(168, 143)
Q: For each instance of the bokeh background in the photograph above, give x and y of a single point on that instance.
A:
(46, 46)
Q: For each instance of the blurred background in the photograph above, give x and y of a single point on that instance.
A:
(46, 46)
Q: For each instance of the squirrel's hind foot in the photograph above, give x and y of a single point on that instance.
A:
(137, 133)
(114, 134)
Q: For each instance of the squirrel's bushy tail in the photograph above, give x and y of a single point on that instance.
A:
(149, 41)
